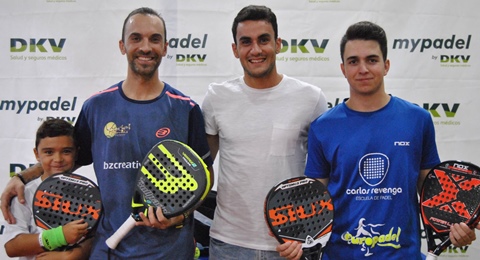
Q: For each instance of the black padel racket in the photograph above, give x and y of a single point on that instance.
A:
(65, 197)
(300, 209)
(172, 177)
(450, 194)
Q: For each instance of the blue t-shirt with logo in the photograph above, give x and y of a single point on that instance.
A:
(115, 133)
(373, 160)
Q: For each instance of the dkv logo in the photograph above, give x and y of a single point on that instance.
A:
(34, 45)
(436, 108)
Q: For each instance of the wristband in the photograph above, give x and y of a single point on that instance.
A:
(21, 178)
(53, 238)
(40, 240)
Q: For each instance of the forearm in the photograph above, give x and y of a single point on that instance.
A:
(214, 145)
(82, 250)
(79, 252)
(23, 245)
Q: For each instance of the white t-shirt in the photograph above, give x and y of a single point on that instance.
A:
(24, 216)
(263, 140)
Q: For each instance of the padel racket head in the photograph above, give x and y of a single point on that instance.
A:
(65, 197)
(300, 209)
(450, 194)
(172, 177)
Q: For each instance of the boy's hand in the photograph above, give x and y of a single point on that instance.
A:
(75, 230)
(14, 188)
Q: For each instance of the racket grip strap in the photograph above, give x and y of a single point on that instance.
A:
(113, 240)
(53, 238)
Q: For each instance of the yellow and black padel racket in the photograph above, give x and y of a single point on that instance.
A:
(172, 177)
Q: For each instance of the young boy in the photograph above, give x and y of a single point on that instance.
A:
(55, 149)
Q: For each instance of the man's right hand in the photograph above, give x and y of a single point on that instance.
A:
(14, 188)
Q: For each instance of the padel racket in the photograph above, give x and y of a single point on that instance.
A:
(65, 197)
(172, 177)
(450, 194)
(300, 209)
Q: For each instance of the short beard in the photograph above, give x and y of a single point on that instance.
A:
(142, 72)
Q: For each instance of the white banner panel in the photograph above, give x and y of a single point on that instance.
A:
(56, 53)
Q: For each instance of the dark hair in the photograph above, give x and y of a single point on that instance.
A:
(144, 11)
(365, 31)
(54, 128)
(255, 13)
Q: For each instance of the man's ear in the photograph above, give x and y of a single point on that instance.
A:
(387, 66)
(165, 48)
(278, 45)
(121, 45)
(235, 51)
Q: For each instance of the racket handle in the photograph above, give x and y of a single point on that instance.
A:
(431, 256)
(113, 240)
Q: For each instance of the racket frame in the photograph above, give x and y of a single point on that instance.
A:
(139, 201)
(312, 244)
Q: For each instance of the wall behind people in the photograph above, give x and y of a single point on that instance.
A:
(56, 53)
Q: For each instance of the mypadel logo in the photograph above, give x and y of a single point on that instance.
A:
(190, 50)
(37, 49)
(448, 52)
(59, 104)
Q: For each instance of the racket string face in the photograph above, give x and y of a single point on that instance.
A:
(173, 178)
(299, 210)
(450, 195)
(170, 180)
(63, 198)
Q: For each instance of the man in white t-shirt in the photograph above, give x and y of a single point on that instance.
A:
(259, 123)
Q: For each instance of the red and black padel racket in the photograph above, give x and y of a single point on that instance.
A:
(300, 209)
(65, 197)
(172, 177)
(450, 194)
